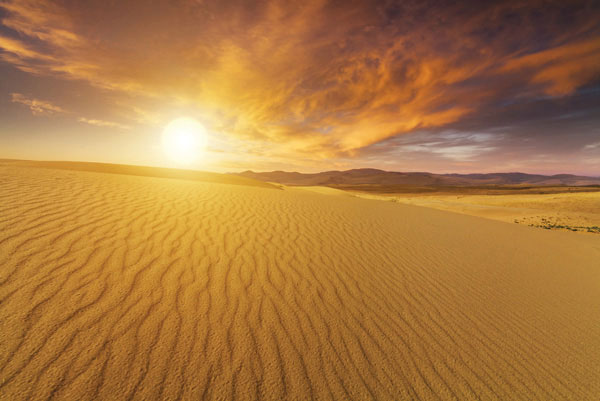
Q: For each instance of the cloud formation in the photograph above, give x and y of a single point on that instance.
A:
(102, 123)
(320, 78)
(43, 107)
(37, 107)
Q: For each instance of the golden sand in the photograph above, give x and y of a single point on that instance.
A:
(117, 287)
(576, 211)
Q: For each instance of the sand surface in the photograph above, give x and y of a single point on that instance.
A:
(118, 287)
(144, 171)
(577, 211)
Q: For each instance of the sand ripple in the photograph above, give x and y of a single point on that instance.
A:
(137, 288)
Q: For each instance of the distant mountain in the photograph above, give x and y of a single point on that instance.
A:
(369, 176)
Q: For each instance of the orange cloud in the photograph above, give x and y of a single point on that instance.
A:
(562, 69)
(316, 79)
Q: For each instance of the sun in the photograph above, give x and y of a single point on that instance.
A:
(184, 140)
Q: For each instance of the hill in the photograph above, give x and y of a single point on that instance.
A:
(387, 178)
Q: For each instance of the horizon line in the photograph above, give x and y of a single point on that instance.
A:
(3, 159)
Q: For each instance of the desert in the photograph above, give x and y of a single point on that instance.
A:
(318, 200)
(577, 211)
(559, 202)
(117, 286)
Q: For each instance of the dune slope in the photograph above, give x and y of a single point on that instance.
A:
(575, 211)
(119, 287)
(144, 171)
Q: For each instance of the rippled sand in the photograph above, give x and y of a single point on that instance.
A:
(120, 287)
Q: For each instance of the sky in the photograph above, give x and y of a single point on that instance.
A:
(314, 85)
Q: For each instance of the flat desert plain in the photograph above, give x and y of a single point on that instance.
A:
(121, 287)
(567, 211)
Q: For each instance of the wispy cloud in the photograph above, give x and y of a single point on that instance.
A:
(103, 123)
(43, 107)
(37, 106)
(457, 146)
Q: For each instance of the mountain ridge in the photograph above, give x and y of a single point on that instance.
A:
(371, 176)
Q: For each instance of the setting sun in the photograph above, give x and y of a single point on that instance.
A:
(184, 140)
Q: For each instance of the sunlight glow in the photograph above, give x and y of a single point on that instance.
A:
(184, 140)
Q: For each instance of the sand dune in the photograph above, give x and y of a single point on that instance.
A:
(577, 211)
(120, 287)
(144, 171)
